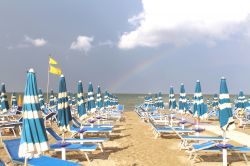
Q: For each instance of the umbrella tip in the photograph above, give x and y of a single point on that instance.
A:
(90, 83)
(198, 81)
(31, 70)
(62, 75)
(223, 78)
(79, 81)
(182, 84)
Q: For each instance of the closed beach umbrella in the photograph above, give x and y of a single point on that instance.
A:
(241, 102)
(199, 107)
(160, 101)
(106, 99)
(51, 99)
(151, 103)
(19, 102)
(91, 99)
(41, 99)
(99, 102)
(225, 114)
(183, 100)
(13, 100)
(64, 114)
(34, 140)
(81, 109)
(156, 101)
(4, 100)
(215, 102)
(172, 101)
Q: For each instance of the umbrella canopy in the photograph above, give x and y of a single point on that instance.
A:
(81, 109)
(64, 114)
(99, 102)
(225, 113)
(41, 99)
(34, 140)
(199, 107)
(215, 102)
(160, 101)
(151, 103)
(183, 100)
(156, 101)
(4, 100)
(146, 101)
(106, 100)
(13, 100)
(241, 102)
(91, 99)
(51, 99)
(172, 101)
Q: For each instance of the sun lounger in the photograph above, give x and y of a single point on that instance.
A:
(97, 140)
(12, 147)
(78, 124)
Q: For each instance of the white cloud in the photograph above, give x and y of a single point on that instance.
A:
(82, 43)
(39, 42)
(182, 22)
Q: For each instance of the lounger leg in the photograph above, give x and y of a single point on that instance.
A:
(100, 146)
(245, 157)
(87, 157)
(63, 154)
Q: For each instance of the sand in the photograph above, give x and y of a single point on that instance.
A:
(133, 144)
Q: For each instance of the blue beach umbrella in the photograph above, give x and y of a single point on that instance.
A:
(51, 99)
(241, 102)
(106, 99)
(183, 100)
(146, 101)
(41, 99)
(160, 101)
(81, 108)
(4, 100)
(215, 102)
(199, 107)
(13, 100)
(99, 102)
(64, 114)
(91, 99)
(34, 140)
(225, 113)
(156, 101)
(172, 101)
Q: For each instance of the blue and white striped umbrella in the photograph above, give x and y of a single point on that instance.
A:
(51, 99)
(116, 100)
(183, 100)
(151, 103)
(91, 99)
(215, 102)
(81, 108)
(13, 100)
(146, 101)
(34, 140)
(99, 102)
(199, 107)
(156, 101)
(64, 114)
(172, 101)
(225, 113)
(41, 99)
(4, 100)
(241, 102)
(160, 101)
(106, 100)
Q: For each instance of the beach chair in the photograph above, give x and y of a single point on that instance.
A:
(78, 124)
(97, 140)
(49, 118)
(206, 146)
(12, 146)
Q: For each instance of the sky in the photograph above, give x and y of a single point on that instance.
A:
(132, 46)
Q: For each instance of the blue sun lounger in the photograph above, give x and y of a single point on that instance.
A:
(12, 147)
(97, 140)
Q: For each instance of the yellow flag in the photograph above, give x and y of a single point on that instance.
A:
(55, 70)
(52, 61)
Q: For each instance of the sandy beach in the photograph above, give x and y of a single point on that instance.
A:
(132, 143)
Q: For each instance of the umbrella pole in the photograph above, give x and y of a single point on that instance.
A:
(224, 150)
(26, 161)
